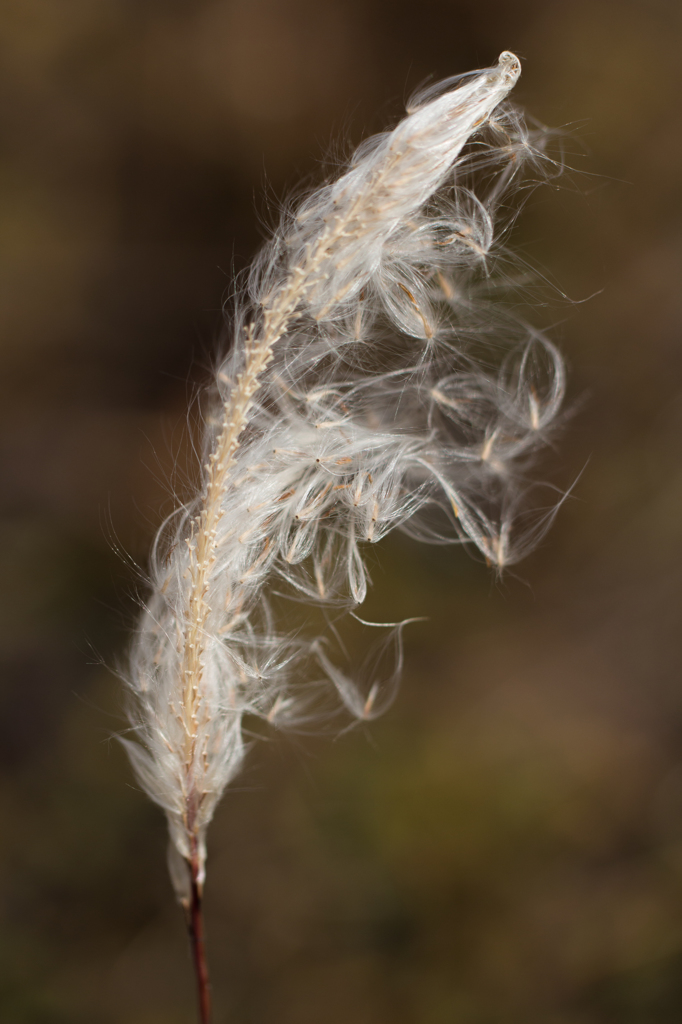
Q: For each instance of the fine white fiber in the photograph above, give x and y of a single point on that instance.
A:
(363, 391)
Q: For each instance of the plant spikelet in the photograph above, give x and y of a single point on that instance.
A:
(361, 392)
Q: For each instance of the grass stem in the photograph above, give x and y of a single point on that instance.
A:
(195, 925)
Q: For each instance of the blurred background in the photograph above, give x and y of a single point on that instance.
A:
(505, 845)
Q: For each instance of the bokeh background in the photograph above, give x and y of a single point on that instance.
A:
(506, 844)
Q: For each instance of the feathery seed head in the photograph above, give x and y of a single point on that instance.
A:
(354, 400)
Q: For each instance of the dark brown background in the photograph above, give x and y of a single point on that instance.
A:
(506, 844)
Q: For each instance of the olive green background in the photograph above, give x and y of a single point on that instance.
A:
(505, 845)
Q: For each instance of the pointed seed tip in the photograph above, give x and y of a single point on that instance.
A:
(510, 63)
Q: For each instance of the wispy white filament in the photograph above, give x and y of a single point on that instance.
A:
(358, 396)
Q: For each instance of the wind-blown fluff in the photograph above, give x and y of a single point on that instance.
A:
(358, 396)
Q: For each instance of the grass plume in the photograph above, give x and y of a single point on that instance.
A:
(354, 400)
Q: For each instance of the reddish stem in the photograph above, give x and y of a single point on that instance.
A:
(195, 925)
